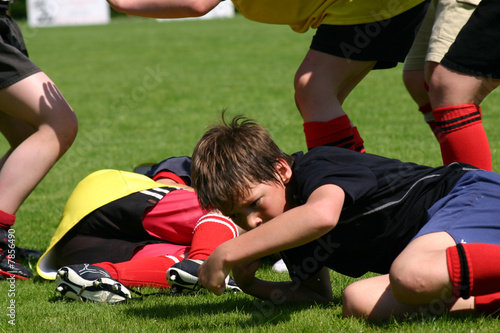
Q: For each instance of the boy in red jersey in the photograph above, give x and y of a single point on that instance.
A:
(139, 229)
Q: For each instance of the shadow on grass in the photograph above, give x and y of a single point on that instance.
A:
(229, 310)
(455, 319)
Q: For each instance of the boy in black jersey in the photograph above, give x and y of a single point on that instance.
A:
(427, 231)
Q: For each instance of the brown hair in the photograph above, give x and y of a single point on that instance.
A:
(231, 157)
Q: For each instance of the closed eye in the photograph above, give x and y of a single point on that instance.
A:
(254, 204)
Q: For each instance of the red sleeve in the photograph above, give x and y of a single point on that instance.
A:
(169, 175)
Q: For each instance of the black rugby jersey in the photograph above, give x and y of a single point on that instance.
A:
(385, 206)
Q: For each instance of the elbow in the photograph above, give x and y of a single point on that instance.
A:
(325, 222)
(200, 8)
(193, 8)
(120, 6)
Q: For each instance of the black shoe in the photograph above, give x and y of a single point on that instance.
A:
(85, 282)
(9, 255)
(20, 253)
(183, 277)
(11, 268)
(27, 254)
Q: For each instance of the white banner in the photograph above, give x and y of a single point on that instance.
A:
(44, 13)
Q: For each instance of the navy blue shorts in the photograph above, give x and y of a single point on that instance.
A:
(387, 42)
(470, 213)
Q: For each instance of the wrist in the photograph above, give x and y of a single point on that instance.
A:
(222, 254)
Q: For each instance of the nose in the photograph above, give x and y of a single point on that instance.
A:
(254, 219)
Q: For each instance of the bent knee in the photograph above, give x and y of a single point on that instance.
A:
(411, 283)
(302, 83)
(355, 302)
(64, 125)
(67, 129)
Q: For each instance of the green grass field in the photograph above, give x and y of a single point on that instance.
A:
(145, 90)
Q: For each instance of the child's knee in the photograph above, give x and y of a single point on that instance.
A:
(408, 280)
(355, 302)
(301, 84)
(65, 127)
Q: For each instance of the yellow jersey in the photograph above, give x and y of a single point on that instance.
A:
(301, 15)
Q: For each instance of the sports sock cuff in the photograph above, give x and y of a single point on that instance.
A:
(358, 141)
(223, 223)
(455, 117)
(458, 270)
(336, 132)
(6, 220)
(211, 231)
(426, 110)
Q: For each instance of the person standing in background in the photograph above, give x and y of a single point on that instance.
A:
(39, 126)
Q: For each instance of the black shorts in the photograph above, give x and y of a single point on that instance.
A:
(476, 50)
(14, 62)
(387, 42)
(111, 233)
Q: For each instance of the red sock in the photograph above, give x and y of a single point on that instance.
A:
(472, 269)
(148, 271)
(211, 231)
(488, 303)
(358, 141)
(6, 220)
(337, 132)
(426, 111)
(461, 135)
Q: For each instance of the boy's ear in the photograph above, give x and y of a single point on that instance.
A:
(284, 170)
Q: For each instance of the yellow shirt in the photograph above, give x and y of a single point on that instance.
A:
(301, 15)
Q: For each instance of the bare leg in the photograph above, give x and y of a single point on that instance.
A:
(15, 131)
(449, 87)
(415, 81)
(322, 83)
(418, 284)
(373, 300)
(36, 102)
(419, 274)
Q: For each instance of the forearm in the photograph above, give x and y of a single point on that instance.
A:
(293, 228)
(164, 8)
(316, 289)
(286, 292)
